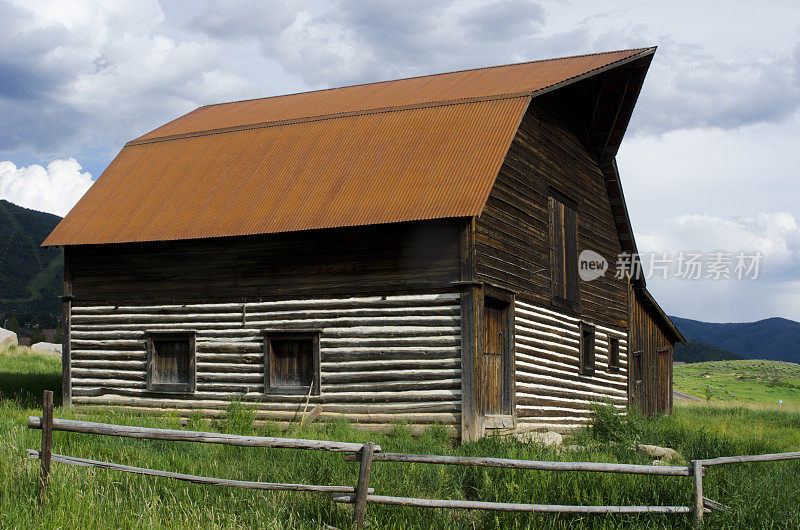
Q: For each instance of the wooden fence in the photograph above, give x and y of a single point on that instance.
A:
(366, 454)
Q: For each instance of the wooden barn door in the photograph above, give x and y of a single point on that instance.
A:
(664, 379)
(636, 384)
(496, 378)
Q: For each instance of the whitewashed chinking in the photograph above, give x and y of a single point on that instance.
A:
(551, 393)
(383, 359)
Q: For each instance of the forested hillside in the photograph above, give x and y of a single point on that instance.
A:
(30, 276)
(700, 352)
(775, 339)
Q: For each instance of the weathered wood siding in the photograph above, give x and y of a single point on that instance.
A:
(383, 358)
(551, 393)
(512, 233)
(651, 347)
(395, 258)
(513, 252)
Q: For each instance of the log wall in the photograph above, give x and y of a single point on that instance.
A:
(551, 393)
(383, 358)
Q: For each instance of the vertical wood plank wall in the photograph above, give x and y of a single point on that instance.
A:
(400, 258)
(551, 393)
(383, 358)
(649, 340)
(513, 252)
(512, 234)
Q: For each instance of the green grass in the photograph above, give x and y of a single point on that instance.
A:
(744, 381)
(24, 375)
(764, 495)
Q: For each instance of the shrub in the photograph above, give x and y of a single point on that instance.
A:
(238, 418)
(610, 426)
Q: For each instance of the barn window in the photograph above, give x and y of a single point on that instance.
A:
(587, 349)
(613, 354)
(564, 251)
(637, 368)
(291, 362)
(171, 361)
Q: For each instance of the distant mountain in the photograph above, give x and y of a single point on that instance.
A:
(700, 352)
(775, 339)
(30, 276)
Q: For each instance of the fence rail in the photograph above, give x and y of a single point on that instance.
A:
(88, 427)
(361, 494)
(772, 457)
(602, 467)
(512, 507)
(85, 462)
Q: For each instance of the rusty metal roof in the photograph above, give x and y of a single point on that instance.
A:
(421, 148)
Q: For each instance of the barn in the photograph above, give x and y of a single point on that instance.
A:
(397, 251)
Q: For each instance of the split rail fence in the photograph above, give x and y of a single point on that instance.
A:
(367, 453)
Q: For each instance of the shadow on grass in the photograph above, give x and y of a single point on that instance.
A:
(26, 389)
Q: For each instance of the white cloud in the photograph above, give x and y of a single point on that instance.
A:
(55, 189)
(775, 235)
(691, 85)
(91, 75)
(348, 41)
(688, 88)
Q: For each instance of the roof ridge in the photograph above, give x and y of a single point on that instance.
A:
(637, 50)
(331, 116)
(392, 108)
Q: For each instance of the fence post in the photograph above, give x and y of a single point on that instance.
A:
(362, 488)
(47, 442)
(697, 472)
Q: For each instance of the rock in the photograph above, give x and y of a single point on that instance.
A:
(658, 452)
(8, 338)
(547, 439)
(46, 347)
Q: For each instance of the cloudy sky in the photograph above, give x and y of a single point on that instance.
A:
(710, 162)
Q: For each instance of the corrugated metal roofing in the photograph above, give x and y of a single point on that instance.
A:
(478, 83)
(420, 148)
(365, 169)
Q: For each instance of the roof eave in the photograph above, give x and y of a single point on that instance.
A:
(669, 326)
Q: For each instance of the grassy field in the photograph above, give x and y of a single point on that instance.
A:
(763, 495)
(766, 382)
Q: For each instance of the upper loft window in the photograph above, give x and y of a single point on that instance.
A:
(291, 362)
(171, 361)
(587, 349)
(613, 354)
(564, 251)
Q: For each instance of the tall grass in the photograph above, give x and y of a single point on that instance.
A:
(25, 374)
(763, 495)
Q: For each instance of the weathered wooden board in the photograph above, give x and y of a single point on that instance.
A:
(383, 358)
(393, 258)
(513, 246)
(650, 385)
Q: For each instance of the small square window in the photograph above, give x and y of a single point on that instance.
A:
(171, 361)
(613, 354)
(587, 348)
(291, 362)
